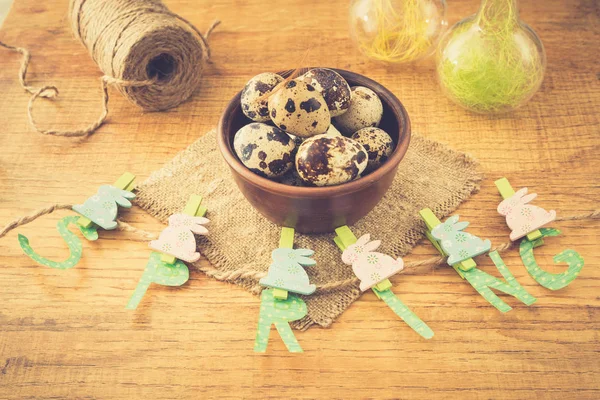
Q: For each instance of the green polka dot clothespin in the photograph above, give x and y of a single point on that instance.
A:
(373, 269)
(176, 242)
(278, 307)
(99, 210)
(525, 221)
(466, 268)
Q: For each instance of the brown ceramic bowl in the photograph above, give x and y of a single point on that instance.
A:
(318, 209)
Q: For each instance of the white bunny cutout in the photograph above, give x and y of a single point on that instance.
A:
(369, 266)
(523, 218)
(178, 238)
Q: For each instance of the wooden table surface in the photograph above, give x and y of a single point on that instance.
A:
(66, 334)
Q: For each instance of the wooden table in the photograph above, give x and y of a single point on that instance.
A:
(65, 334)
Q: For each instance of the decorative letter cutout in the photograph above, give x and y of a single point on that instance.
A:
(547, 279)
(159, 272)
(482, 282)
(278, 313)
(405, 313)
(70, 238)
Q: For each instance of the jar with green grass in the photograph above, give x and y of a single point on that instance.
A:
(491, 62)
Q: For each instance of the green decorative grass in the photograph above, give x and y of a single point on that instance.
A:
(491, 66)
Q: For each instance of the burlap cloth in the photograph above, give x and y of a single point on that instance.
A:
(240, 240)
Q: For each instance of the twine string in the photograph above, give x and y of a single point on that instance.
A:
(247, 273)
(121, 37)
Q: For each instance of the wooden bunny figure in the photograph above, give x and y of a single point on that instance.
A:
(102, 208)
(178, 238)
(523, 218)
(287, 272)
(459, 245)
(369, 266)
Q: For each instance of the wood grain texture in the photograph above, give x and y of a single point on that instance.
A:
(66, 334)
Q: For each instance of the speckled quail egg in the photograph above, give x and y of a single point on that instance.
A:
(291, 178)
(378, 144)
(266, 150)
(365, 110)
(326, 160)
(253, 99)
(332, 131)
(299, 109)
(332, 86)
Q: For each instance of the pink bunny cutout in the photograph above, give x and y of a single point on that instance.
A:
(523, 218)
(369, 266)
(178, 239)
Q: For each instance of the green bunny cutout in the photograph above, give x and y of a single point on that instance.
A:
(482, 282)
(73, 242)
(158, 271)
(102, 207)
(286, 272)
(547, 279)
(279, 313)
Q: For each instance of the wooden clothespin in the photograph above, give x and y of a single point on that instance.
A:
(526, 221)
(463, 263)
(523, 219)
(175, 243)
(98, 211)
(374, 270)
(125, 182)
(460, 248)
(192, 208)
(278, 307)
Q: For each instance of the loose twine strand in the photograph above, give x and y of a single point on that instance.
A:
(121, 16)
(243, 273)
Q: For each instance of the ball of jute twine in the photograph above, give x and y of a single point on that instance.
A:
(231, 276)
(153, 56)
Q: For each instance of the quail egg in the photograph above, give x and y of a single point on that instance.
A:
(253, 99)
(326, 160)
(378, 144)
(291, 178)
(365, 110)
(266, 150)
(332, 86)
(299, 109)
(332, 131)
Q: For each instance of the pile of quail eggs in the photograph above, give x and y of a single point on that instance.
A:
(314, 130)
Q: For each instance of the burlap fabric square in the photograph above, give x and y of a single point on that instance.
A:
(240, 241)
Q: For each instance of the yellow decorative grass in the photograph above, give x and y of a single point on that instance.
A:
(403, 33)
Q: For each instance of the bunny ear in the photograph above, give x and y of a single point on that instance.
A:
(372, 246)
(304, 257)
(199, 229)
(528, 198)
(304, 252)
(123, 202)
(200, 220)
(128, 195)
(520, 193)
(461, 226)
(364, 239)
(452, 220)
(307, 262)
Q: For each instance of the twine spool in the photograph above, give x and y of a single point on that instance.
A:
(153, 56)
(141, 40)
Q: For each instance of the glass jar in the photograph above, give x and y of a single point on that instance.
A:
(397, 31)
(491, 62)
